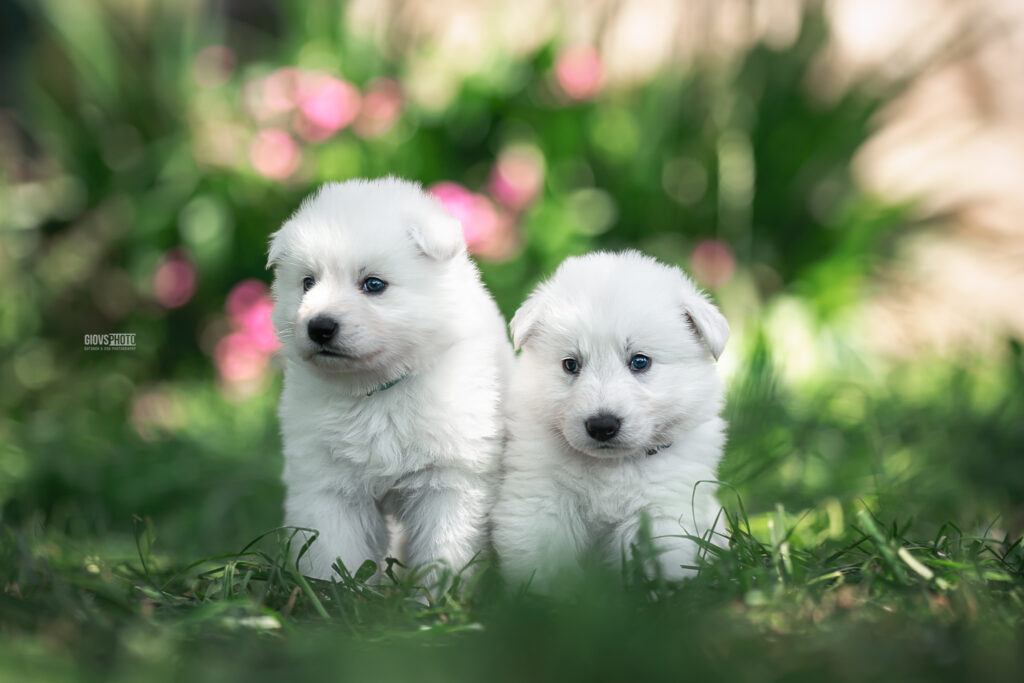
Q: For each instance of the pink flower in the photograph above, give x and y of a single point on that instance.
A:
(244, 296)
(274, 154)
(502, 242)
(382, 105)
(474, 211)
(489, 232)
(326, 105)
(579, 72)
(257, 323)
(242, 355)
(279, 91)
(249, 307)
(238, 358)
(517, 177)
(174, 281)
(713, 263)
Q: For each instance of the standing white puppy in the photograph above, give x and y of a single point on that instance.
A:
(395, 361)
(613, 412)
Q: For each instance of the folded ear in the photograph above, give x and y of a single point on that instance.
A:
(276, 249)
(707, 322)
(526, 319)
(437, 233)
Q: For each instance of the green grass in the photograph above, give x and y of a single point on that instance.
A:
(873, 602)
(874, 535)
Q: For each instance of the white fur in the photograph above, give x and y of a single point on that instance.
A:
(564, 496)
(424, 450)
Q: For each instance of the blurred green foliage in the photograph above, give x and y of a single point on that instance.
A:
(109, 169)
(110, 108)
(111, 159)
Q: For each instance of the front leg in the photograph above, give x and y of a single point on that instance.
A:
(351, 528)
(539, 533)
(445, 517)
(676, 554)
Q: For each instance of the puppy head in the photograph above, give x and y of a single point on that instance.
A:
(362, 272)
(618, 354)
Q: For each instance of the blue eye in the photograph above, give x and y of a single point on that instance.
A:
(639, 363)
(307, 283)
(571, 365)
(374, 285)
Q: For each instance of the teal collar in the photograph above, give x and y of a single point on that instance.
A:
(385, 387)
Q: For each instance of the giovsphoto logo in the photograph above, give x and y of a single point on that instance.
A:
(120, 341)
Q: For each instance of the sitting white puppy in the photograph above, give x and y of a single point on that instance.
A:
(613, 409)
(395, 362)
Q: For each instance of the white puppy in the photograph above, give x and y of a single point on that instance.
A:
(395, 362)
(613, 409)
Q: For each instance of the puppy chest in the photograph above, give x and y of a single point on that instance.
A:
(382, 442)
(609, 496)
(604, 511)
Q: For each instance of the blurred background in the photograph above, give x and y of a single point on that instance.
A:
(845, 177)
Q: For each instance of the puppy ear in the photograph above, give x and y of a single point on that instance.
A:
(707, 322)
(437, 234)
(526, 319)
(276, 249)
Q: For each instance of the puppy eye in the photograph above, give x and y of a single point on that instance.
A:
(571, 365)
(639, 363)
(307, 283)
(374, 285)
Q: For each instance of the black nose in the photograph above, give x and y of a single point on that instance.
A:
(321, 329)
(602, 427)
